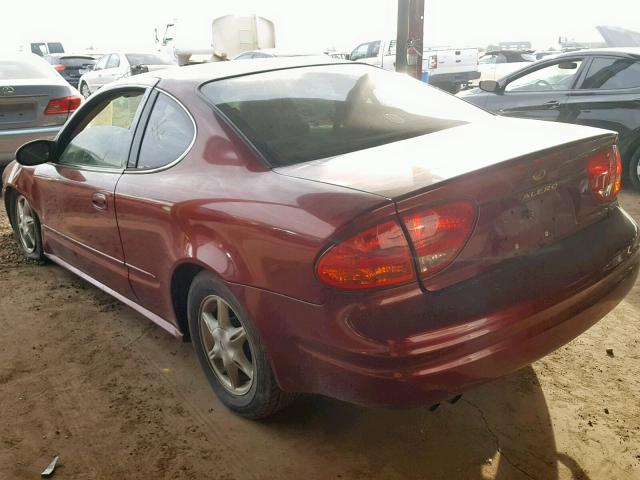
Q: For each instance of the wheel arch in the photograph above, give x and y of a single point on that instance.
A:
(181, 279)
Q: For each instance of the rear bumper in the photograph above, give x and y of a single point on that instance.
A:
(367, 351)
(11, 140)
(452, 78)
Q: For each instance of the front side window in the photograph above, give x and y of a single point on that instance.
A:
(488, 60)
(104, 137)
(102, 63)
(168, 134)
(302, 114)
(114, 61)
(147, 59)
(612, 74)
(556, 77)
(374, 49)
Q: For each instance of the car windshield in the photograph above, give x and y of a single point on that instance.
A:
(147, 59)
(24, 69)
(297, 115)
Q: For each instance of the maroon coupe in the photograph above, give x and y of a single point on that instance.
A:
(330, 227)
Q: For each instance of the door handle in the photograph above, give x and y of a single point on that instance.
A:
(552, 104)
(99, 201)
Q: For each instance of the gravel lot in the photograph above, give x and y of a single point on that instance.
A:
(83, 377)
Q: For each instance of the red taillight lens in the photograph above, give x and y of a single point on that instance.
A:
(377, 257)
(63, 105)
(59, 67)
(605, 174)
(439, 233)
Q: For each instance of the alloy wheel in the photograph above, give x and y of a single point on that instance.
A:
(84, 90)
(26, 225)
(226, 345)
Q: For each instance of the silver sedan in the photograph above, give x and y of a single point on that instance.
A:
(35, 101)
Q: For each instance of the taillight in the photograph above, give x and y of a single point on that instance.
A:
(433, 61)
(439, 234)
(59, 67)
(377, 257)
(605, 174)
(63, 105)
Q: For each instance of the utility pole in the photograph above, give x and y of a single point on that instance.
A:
(416, 34)
(410, 33)
(402, 35)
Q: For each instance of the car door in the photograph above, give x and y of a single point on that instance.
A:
(79, 217)
(147, 220)
(537, 92)
(609, 97)
(93, 78)
(112, 71)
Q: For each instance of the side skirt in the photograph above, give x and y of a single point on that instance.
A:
(169, 327)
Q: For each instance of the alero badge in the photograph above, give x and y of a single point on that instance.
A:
(550, 187)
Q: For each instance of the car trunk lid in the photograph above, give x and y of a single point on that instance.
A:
(531, 188)
(23, 102)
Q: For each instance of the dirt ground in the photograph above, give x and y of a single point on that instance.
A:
(86, 378)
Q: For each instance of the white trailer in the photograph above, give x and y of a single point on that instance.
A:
(196, 40)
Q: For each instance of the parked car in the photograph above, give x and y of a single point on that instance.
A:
(42, 48)
(498, 63)
(449, 69)
(599, 88)
(273, 53)
(34, 102)
(113, 66)
(71, 67)
(331, 228)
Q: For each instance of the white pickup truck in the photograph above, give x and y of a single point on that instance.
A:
(447, 68)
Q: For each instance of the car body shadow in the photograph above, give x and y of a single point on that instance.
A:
(501, 430)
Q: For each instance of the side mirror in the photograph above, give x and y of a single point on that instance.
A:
(490, 86)
(36, 152)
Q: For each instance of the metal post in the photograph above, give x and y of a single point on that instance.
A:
(416, 34)
(402, 37)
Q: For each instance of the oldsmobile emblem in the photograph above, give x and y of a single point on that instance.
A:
(539, 175)
(7, 90)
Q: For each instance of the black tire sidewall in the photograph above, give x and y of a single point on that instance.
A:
(633, 170)
(204, 285)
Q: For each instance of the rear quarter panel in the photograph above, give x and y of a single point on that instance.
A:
(222, 209)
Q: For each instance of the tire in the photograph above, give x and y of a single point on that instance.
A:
(228, 347)
(84, 90)
(26, 228)
(634, 170)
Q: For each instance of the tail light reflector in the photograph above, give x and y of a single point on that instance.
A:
(63, 105)
(59, 67)
(377, 257)
(439, 234)
(605, 174)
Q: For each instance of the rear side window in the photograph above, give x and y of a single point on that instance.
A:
(302, 114)
(612, 74)
(168, 134)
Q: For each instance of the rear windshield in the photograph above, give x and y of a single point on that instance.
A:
(147, 59)
(76, 61)
(302, 114)
(25, 69)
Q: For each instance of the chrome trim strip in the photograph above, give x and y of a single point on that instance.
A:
(30, 131)
(87, 247)
(140, 171)
(139, 270)
(161, 322)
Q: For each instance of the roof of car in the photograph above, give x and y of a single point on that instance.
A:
(218, 70)
(614, 50)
